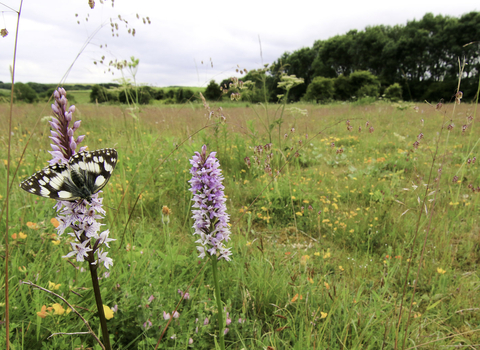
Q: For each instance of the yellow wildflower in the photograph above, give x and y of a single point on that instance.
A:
(58, 309)
(108, 312)
(53, 286)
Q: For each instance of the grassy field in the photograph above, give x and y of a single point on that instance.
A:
(362, 241)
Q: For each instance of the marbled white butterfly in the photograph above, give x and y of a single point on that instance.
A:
(85, 174)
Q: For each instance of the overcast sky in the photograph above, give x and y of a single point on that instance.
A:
(185, 33)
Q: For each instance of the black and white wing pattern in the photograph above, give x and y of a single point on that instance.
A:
(85, 174)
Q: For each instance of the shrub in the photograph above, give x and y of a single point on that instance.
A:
(343, 88)
(25, 93)
(159, 94)
(213, 92)
(130, 95)
(321, 89)
(184, 95)
(99, 94)
(369, 90)
(364, 83)
(170, 93)
(394, 92)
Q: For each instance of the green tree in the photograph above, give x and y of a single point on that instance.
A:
(213, 92)
(159, 94)
(130, 94)
(23, 92)
(99, 94)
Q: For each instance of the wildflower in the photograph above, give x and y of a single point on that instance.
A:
(175, 314)
(54, 222)
(211, 219)
(80, 216)
(108, 312)
(441, 271)
(166, 316)
(80, 249)
(166, 212)
(184, 295)
(323, 315)
(341, 268)
(147, 324)
(304, 259)
(190, 341)
(206, 321)
(229, 320)
(458, 97)
(22, 235)
(43, 312)
(32, 225)
(53, 286)
(58, 309)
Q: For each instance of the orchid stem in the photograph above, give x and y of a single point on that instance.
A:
(98, 299)
(219, 301)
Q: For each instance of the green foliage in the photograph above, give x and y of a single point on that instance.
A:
(364, 83)
(159, 94)
(141, 95)
(343, 88)
(100, 94)
(170, 94)
(320, 90)
(184, 95)
(424, 53)
(394, 92)
(213, 92)
(25, 93)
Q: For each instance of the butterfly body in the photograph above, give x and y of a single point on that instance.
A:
(85, 174)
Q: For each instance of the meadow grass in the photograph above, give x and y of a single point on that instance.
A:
(321, 254)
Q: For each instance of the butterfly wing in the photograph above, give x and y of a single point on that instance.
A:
(86, 174)
(92, 170)
(51, 182)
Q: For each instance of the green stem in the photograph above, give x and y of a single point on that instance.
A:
(219, 302)
(98, 299)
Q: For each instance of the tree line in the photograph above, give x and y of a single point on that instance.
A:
(419, 61)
